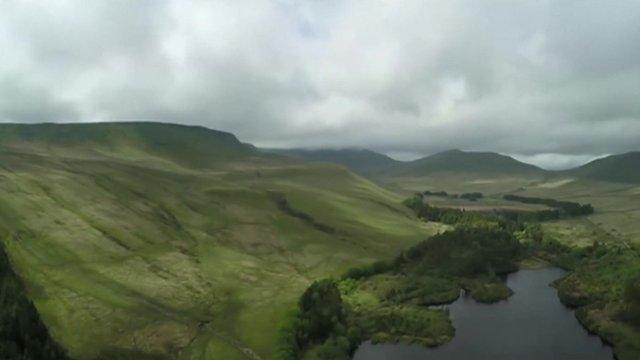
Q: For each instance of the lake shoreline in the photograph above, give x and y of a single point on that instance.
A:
(602, 347)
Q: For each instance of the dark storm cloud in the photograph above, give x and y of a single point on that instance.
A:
(553, 82)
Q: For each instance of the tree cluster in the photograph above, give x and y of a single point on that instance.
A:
(566, 207)
(444, 215)
(319, 320)
(284, 206)
(452, 216)
(467, 251)
(435, 193)
(473, 196)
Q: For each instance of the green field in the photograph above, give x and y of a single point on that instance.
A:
(617, 205)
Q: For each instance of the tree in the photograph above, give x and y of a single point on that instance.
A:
(320, 311)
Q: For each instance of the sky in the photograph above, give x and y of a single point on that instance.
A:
(555, 83)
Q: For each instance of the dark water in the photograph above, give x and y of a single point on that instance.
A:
(532, 324)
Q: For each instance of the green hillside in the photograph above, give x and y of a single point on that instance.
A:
(622, 168)
(457, 161)
(361, 161)
(191, 146)
(147, 240)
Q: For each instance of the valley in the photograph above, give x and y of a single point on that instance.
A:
(128, 250)
(600, 249)
(319, 180)
(148, 240)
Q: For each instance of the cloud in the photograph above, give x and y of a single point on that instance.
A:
(412, 77)
(21, 101)
(556, 161)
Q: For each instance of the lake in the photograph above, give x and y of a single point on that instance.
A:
(532, 324)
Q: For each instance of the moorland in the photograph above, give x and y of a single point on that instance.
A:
(149, 240)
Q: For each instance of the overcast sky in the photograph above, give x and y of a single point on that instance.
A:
(552, 82)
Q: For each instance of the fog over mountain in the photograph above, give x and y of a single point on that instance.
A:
(553, 83)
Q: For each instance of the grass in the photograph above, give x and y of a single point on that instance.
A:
(596, 284)
(617, 209)
(596, 288)
(149, 258)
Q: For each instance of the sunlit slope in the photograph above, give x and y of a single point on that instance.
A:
(158, 258)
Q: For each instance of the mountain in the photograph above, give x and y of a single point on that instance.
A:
(186, 145)
(372, 164)
(622, 168)
(457, 161)
(148, 240)
(361, 161)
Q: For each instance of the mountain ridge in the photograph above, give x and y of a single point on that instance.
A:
(192, 146)
(371, 163)
(201, 147)
(619, 168)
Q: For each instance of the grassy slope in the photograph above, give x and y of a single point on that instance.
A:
(361, 161)
(621, 168)
(470, 162)
(128, 250)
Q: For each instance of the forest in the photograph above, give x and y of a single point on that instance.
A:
(566, 207)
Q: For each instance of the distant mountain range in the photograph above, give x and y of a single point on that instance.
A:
(623, 168)
(202, 147)
(457, 161)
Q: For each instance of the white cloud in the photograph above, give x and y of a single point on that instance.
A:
(557, 161)
(411, 76)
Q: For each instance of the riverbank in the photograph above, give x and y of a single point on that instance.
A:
(389, 301)
(393, 302)
(599, 288)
